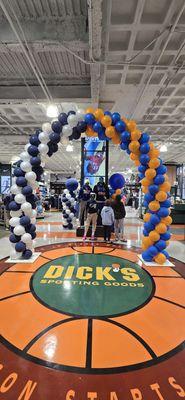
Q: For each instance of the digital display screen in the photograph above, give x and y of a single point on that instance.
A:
(94, 160)
(5, 178)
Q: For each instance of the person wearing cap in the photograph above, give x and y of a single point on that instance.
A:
(92, 215)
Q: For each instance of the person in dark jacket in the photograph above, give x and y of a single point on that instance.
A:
(84, 197)
(92, 215)
(119, 215)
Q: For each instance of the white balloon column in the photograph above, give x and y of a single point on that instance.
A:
(69, 204)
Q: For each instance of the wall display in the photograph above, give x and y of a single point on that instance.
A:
(5, 178)
(106, 126)
(94, 160)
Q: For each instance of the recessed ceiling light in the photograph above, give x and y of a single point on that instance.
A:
(69, 148)
(163, 148)
(52, 111)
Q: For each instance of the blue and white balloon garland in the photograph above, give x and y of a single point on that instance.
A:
(69, 204)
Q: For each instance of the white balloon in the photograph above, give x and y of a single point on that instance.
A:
(46, 127)
(25, 156)
(26, 208)
(26, 238)
(17, 213)
(33, 221)
(14, 221)
(80, 113)
(71, 215)
(15, 189)
(14, 255)
(68, 196)
(72, 200)
(26, 166)
(30, 176)
(64, 207)
(44, 137)
(19, 230)
(34, 214)
(72, 120)
(66, 191)
(43, 148)
(67, 131)
(68, 212)
(20, 198)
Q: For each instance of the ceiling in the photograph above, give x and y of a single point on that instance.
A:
(127, 56)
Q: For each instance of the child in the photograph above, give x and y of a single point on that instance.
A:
(107, 215)
(92, 215)
(119, 214)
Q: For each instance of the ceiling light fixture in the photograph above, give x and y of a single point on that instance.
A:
(69, 148)
(163, 148)
(52, 111)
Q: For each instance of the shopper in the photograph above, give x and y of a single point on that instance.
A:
(92, 215)
(119, 214)
(6, 202)
(84, 197)
(107, 215)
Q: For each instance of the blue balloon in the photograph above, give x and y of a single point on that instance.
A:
(125, 136)
(144, 159)
(54, 147)
(65, 215)
(165, 236)
(38, 170)
(54, 137)
(71, 112)
(70, 226)
(108, 113)
(97, 127)
(147, 256)
(120, 126)
(21, 181)
(153, 189)
(148, 197)
(24, 220)
(27, 254)
(37, 131)
(161, 244)
(68, 203)
(124, 146)
(18, 172)
(141, 176)
(144, 148)
(30, 228)
(148, 226)
(153, 251)
(161, 170)
(166, 203)
(34, 140)
(69, 220)
(33, 235)
(116, 181)
(115, 118)
(13, 206)
(71, 184)
(35, 161)
(90, 119)
(128, 151)
(81, 126)
(165, 254)
(163, 212)
(14, 238)
(62, 118)
(20, 247)
(33, 151)
(56, 127)
(102, 136)
(159, 179)
(142, 168)
(145, 232)
(154, 219)
(144, 138)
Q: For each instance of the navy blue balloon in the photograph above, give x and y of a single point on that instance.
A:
(34, 140)
(76, 134)
(144, 148)
(144, 159)
(56, 126)
(124, 146)
(166, 203)
(116, 181)
(153, 189)
(62, 118)
(20, 247)
(27, 254)
(50, 153)
(90, 119)
(161, 244)
(120, 126)
(70, 226)
(18, 172)
(159, 179)
(125, 136)
(153, 251)
(163, 212)
(161, 170)
(37, 131)
(71, 112)
(24, 220)
(35, 161)
(54, 147)
(115, 118)
(33, 235)
(65, 215)
(147, 256)
(154, 219)
(142, 168)
(64, 199)
(97, 127)
(38, 170)
(54, 137)
(33, 151)
(14, 238)
(30, 228)
(144, 138)
(81, 126)
(71, 184)
(69, 220)
(165, 254)
(165, 236)
(21, 181)
(68, 203)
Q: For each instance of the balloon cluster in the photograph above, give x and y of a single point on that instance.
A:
(116, 182)
(105, 126)
(68, 204)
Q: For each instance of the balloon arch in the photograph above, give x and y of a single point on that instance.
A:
(106, 126)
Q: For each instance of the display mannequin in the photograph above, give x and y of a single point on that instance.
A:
(84, 197)
(102, 194)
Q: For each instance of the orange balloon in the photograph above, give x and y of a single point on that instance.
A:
(124, 120)
(154, 153)
(146, 217)
(154, 236)
(145, 189)
(118, 191)
(150, 173)
(145, 182)
(134, 146)
(110, 131)
(106, 121)
(161, 196)
(116, 139)
(136, 134)
(160, 258)
(131, 125)
(167, 220)
(133, 156)
(154, 163)
(147, 241)
(90, 110)
(151, 144)
(90, 133)
(161, 228)
(167, 243)
(165, 187)
(99, 114)
(154, 205)
(137, 163)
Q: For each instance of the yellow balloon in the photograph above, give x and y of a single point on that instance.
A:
(154, 236)
(154, 205)
(154, 163)
(99, 114)
(160, 258)
(146, 217)
(106, 121)
(161, 196)
(150, 173)
(161, 228)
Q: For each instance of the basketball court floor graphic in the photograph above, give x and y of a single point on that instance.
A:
(91, 322)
